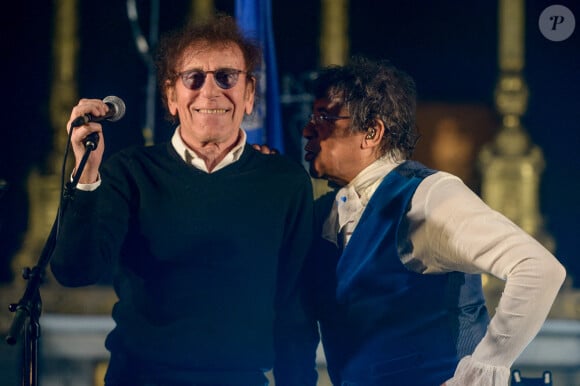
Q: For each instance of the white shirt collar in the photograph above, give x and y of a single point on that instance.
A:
(190, 157)
(369, 179)
(352, 199)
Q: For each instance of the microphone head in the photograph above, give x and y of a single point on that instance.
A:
(117, 105)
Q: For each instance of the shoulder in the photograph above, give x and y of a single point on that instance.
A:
(139, 157)
(443, 181)
(411, 169)
(323, 205)
(275, 164)
(136, 152)
(326, 200)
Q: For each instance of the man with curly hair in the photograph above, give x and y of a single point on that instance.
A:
(205, 236)
(394, 280)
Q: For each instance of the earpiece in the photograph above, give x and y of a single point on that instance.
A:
(371, 133)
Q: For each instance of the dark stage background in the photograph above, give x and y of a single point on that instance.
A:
(449, 47)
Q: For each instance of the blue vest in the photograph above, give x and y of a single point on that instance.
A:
(380, 323)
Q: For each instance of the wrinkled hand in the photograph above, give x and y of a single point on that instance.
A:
(95, 107)
(264, 149)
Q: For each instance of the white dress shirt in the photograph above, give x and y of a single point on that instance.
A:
(452, 229)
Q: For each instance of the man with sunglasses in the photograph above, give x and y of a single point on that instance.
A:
(205, 235)
(394, 278)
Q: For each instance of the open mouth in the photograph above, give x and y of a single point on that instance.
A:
(311, 152)
(309, 156)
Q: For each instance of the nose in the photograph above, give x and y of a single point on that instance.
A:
(209, 87)
(308, 131)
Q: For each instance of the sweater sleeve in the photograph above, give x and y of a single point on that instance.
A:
(75, 261)
(91, 231)
(295, 340)
(456, 231)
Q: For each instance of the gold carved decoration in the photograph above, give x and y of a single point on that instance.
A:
(511, 165)
(334, 42)
(334, 48)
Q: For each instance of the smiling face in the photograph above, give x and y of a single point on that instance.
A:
(334, 153)
(211, 114)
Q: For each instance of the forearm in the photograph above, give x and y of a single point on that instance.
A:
(463, 234)
(75, 260)
(530, 290)
(528, 295)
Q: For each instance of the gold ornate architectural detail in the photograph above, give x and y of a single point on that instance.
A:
(64, 92)
(511, 165)
(334, 43)
(511, 27)
(201, 9)
(44, 182)
(334, 48)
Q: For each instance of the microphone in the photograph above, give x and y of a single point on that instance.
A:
(116, 111)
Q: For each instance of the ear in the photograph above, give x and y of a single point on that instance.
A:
(171, 98)
(374, 135)
(250, 95)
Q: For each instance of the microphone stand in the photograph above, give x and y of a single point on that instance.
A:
(27, 311)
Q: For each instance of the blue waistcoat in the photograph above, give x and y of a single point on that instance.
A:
(380, 323)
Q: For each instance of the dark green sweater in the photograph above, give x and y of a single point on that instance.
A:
(205, 265)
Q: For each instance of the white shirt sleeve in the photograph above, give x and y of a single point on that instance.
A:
(89, 187)
(452, 229)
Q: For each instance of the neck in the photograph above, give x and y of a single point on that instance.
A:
(212, 152)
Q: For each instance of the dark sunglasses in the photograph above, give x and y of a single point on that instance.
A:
(225, 78)
(322, 117)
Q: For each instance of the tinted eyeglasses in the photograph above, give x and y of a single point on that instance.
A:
(225, 78)
(320, 118)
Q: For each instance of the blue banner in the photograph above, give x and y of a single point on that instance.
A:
(264, 125)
